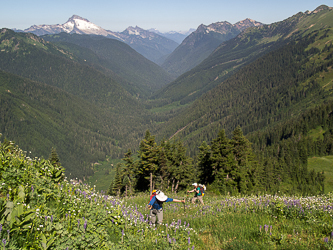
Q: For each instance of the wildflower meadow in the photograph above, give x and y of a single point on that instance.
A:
(41, 209)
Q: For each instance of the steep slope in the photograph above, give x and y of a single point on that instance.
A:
(40, 116)
(199, 44)
(29, 56)
(282, 83)
(141, 74)
(234, 54)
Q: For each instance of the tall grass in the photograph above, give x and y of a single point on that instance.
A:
(269, 222)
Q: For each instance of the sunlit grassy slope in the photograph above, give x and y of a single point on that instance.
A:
(325, 164)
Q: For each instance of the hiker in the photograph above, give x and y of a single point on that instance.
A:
(197, 195)
(156, 208)
(202, 189)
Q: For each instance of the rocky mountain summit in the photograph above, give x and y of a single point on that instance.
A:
(149, 44)
(200, 43)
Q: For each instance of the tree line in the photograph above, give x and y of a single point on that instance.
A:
(226, 165)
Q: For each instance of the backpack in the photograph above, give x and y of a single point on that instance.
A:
(202, 189)
(153, 194)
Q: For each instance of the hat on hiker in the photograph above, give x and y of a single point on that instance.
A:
(154, 191)
(161, 196)
(195, 184)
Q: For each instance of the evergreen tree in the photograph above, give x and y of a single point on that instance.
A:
(118, 180)
(245, 159)
(129, 170)
(54, 158)
(111, 189)
(182, 168)
(148, 159)
(126, 183)
(204, 163)
(224, 169)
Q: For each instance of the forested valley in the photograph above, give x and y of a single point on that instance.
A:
(240, 122)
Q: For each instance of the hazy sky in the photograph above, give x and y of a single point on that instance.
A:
(177, 15)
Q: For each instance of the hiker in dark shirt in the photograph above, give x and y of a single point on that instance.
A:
(156, 206)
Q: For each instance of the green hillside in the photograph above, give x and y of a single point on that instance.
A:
(141, 74)
(30, 56)
(324, 163)
(39, 117)
(278, 85)
(196, 47)
(238, 52)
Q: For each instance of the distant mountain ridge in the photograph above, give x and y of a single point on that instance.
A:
(178, 37)
(149, 44)
(200, 43)
(75, 24)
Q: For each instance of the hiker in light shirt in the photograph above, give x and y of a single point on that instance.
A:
(197, 195)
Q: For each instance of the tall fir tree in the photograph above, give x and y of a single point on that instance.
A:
(224, 169)
(54, 158)
(129, 170)
(118, 180)
(148, 160)
(205, 164)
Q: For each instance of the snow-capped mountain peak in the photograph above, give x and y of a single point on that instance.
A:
(134, 30)
(75, 24)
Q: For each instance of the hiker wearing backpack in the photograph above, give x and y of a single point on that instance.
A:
(198, 193)
(156, 206)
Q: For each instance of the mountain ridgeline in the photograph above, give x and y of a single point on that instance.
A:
(199, 44)
(91, 97)
(151, 45)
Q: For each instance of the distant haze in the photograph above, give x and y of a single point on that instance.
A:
(162, 15)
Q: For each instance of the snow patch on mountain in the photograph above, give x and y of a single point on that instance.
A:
(75, 24)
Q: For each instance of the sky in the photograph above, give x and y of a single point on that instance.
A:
(169, 15)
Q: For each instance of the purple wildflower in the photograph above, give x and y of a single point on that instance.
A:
(32, 188)
(189, 240)
(51, 218)
(4, 242)
(326, 240)
(85, 225)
